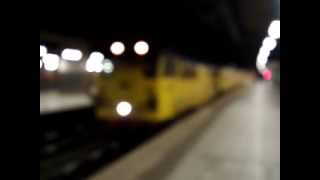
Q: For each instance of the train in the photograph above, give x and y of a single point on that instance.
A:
(157, 90)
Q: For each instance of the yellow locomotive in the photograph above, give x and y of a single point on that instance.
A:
(158, 91)
(229, 78)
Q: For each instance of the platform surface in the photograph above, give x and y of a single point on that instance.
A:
(240, 140)
(242, 144)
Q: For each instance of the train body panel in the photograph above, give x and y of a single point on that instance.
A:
(175, 85)
(125, 84)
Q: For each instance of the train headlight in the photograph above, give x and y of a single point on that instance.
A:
(124, 108)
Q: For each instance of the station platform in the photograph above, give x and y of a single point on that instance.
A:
(55, 101)
(233, 139)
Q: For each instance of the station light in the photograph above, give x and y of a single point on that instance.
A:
(51, 62)
(92, 66)
(43, 50)
(96, 56)
(124, 108)
(269, 43)
(263, 55)
(261, 67)
(40, 64)
(94, 62)
(117, 48)
(262, 58)
(274, 29)
(71, 54)
(141, 47)
(264, 51)
(108, 66)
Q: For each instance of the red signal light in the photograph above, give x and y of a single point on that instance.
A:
(267, 74)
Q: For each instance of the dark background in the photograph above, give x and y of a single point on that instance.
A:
(213, 31)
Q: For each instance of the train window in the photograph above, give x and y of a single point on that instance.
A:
(189, 71)
(170, 68)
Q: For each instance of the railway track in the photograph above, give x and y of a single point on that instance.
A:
(74, 145)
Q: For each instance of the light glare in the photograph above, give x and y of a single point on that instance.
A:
(141, 48)
(124, 108)
(64, 66)
(43, 51)
(96, 56)
(108, 66)
(94, 62)
(274, 29)
(51, 62)
(269, 43)
(117, 48)
(71, 54)
(262, 58)
(261, 67)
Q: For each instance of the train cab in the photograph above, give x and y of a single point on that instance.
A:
(152, 91)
